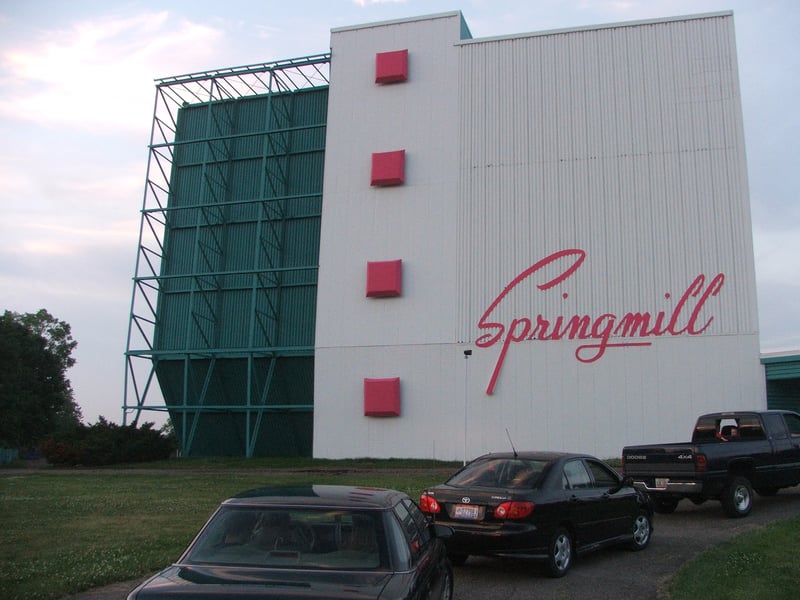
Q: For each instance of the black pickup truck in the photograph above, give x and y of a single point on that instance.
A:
(730, 455)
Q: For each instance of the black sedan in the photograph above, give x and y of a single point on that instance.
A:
(311, 542)
(541, 505)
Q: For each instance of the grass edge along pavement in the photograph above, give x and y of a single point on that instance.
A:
(66, 531)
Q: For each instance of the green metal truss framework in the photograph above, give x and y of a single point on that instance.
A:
(223, 307)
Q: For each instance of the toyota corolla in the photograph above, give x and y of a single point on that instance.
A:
(540, 505)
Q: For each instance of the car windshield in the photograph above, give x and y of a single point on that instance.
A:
(514, 473)
(293, 538)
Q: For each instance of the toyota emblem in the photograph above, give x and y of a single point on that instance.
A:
(465, 500)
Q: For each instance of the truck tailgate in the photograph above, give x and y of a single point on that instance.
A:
(655, 461)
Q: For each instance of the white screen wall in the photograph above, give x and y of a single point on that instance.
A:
(619, 147)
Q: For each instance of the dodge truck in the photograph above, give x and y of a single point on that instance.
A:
(730, 455)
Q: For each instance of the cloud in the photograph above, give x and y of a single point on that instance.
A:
(776, 257)
(68, 211)
(368, 2)
(99, 73)
(71, 239)
(265, 32)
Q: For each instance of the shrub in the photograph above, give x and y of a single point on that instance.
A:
(107, 443)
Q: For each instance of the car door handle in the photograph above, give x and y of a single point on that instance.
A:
(574, 498)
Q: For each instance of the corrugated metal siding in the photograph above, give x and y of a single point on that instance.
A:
(225, 242)
(413, 222)
(621, 141)
(219, 426)
(239, 273)
(625, 142)
(784, 367)
(784, 394)
(783, 371)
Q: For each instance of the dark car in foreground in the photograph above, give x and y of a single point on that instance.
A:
(311, 542)
(541, 505)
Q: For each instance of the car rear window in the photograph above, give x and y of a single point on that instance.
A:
(514, 473)
(295, 538)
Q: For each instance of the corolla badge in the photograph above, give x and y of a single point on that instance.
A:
(465, 500)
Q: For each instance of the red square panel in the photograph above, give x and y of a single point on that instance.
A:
(388, 168)
(391, 67)
(382, 397)
(384, 279)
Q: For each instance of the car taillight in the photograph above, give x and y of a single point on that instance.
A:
(513, 510)
(700, 462)
(429, 504)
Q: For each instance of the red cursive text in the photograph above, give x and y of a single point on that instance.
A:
(600, 329)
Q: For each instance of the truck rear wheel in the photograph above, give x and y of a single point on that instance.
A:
(737, 497)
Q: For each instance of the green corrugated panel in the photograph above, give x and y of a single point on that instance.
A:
(789, 370)
(217, 419)
(783, 381)
(782, 367)
(784, 394)
(237, 303)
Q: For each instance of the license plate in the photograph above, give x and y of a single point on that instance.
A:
(467, 512)
(661, 482)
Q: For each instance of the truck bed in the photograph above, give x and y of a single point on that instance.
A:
(730, 455)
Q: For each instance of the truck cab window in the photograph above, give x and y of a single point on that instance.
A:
(775, 426)
(793, 422)
(750, 428)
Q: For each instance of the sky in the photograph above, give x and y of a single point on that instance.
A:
(77, 92)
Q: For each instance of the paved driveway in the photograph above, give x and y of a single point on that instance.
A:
(615, 574)
(608, 574)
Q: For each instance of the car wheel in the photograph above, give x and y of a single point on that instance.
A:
(457, 559)
(642, 527)
(766, 491)
(559, 553)
(447, 584)
(665, 506)
(737, 497)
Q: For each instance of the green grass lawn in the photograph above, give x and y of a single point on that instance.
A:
(62, 532)
(755, 565)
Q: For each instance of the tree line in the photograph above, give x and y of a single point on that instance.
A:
(37, 403)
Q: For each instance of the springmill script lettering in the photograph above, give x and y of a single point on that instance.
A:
(598, 331)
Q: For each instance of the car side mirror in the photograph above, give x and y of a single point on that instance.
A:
(624, 482)
(441, 531)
